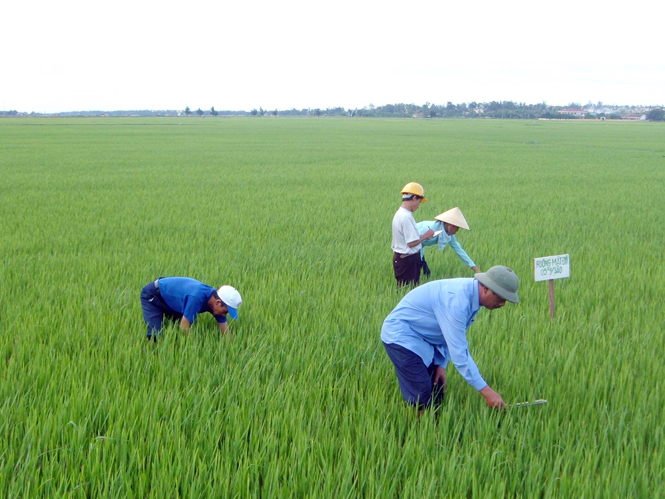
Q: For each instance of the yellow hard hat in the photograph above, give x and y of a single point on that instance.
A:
(415, 188)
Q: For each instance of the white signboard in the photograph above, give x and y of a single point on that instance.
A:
(551, 267)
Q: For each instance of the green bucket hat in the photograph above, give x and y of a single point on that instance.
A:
(502, 280)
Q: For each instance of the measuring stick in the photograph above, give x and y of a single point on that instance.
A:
(529, 404)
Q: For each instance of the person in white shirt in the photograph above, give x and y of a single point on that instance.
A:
(407, 242)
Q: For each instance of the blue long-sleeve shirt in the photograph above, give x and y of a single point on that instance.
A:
(188, 297)
(442, 240)
(431, 321)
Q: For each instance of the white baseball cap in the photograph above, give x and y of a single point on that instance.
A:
(231, 298)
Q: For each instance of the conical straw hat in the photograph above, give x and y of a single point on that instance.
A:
(454, 217)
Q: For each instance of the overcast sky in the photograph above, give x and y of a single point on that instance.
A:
(79, 55)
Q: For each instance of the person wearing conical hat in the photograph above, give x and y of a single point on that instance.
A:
(447, 224)
(406, 243)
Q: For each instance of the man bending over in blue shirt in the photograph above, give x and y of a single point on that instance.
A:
(428, 327)
(183, 299)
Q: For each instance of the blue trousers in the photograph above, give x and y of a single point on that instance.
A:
(155, 310)
(416, 380)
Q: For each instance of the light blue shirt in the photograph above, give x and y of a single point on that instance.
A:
(442, 240)
(431, 321)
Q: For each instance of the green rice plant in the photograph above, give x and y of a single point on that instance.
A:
(302, 400)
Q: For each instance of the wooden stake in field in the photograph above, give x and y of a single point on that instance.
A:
(548, 268)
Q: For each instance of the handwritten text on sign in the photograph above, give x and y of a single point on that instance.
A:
(551, 267)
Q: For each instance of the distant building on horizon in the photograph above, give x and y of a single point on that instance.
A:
(571, 111)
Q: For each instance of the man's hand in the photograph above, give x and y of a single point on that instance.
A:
(223, 327)
(426, 235)
(440, 377)
(476, 270)
(492, 398)
(185, 325)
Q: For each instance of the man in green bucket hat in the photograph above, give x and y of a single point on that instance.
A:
(428, 329)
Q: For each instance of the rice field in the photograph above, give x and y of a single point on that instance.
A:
(302, 400)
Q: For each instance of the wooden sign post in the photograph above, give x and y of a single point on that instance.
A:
(548, 268)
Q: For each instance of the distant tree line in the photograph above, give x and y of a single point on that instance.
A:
(492, 109)
(656, 114)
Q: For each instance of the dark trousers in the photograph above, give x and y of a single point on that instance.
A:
(407, 268)
(416, 380)
(155, 310)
